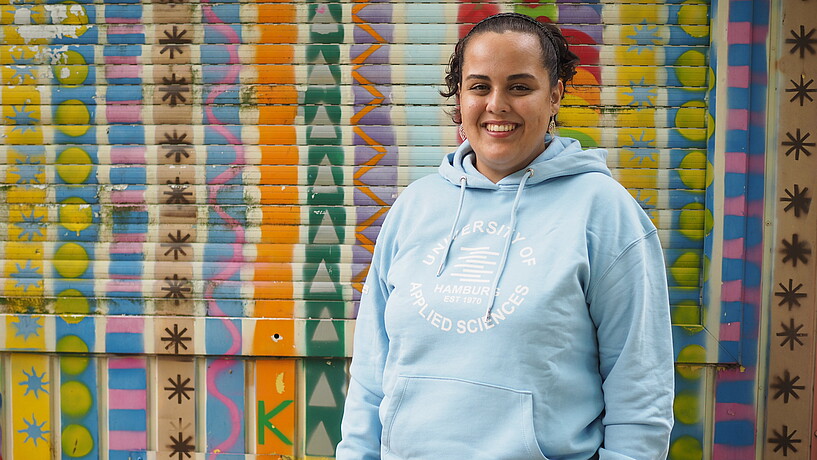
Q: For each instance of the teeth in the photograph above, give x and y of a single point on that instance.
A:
(500, 128)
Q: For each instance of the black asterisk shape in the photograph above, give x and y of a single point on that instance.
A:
(790, 295)
(801, 90)
(791, 334)
(174, 41)
(179, 388)
(176, 339)
(178, 193)
(798, 200)
(181, 446)
(786, 387)
(802, 42)
(176, 145)
(785, 440)
(176, 288)
(798, 144)
(795, 251)
(174, 89)
(177, 244)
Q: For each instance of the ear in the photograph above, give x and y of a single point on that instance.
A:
(556, 94)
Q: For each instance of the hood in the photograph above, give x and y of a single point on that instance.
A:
(563, 157)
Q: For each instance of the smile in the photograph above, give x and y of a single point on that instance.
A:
(500, 128)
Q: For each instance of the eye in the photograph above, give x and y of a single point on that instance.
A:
(479, 87)
(520, 88)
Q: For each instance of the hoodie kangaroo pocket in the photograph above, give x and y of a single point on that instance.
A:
(434, 417)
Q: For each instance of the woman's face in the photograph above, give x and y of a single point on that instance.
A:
(506, 101)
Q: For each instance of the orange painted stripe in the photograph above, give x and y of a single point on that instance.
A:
(275, 74)
(279, 175)
(277, 114)
(282, 290)
(279, 195)
(279, 94)
(272, 272)
(281, 215)
(288, 234)
(274, 337)
(274, 54)
(266, 308)
(277, 33)
(275, 13)
(277, 135)
(280, 155)
(279, 253)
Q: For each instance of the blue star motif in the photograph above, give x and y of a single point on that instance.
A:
(31, 226)
(22, 118)
(34, 382)
(643, 154)
(642, 95)
(27, 276)
(645, 37)
(641, 142)
(33, 431)
(645, 204)
(27, 171)
(26, 326)
(22, 68)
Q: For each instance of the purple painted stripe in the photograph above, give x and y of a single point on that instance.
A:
(383, 135)
(364, 154)
(379, 56)
(376, 13)
(364, 96)
(377, 116)
(364, 213)
(361, 255)
(379, 175)
(384, 30)
(386, 194)
(578, 14)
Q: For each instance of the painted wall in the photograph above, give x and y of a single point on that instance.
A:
(192, 191)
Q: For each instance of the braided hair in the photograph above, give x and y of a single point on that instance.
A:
(557, 59)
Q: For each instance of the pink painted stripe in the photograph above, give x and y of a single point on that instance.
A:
(735, 162)
(733, 249)
(735, 206)
(124, 112)
(126, 248)
(738, 76)
(128, 28)
(128, 440)
(123, 71)
(122, 20)
(737, 119)
(129, 237)
(725, 452)
(128, 196)
(732, 291)
(127, 325)
(739, 33)
(125, 286)
(730, 331)
(121, 59)
(128, 155)
(736, 375)
(733, 411)
(127, 399)
(126, 363)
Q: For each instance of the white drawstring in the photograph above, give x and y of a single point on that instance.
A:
(453, 227)
(508, 240)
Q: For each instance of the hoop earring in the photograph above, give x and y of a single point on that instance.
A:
(462, 133)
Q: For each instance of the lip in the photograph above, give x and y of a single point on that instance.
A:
(500, 134)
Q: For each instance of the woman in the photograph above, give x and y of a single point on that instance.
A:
(516, 306)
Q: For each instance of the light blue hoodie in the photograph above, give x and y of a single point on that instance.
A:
(571, 359)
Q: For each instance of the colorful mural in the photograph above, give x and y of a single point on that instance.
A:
(192, 191)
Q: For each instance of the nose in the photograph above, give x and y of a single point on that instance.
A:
(497, 102)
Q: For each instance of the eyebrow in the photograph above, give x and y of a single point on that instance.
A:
(516, 76)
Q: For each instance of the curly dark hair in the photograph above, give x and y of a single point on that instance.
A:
(557, 59)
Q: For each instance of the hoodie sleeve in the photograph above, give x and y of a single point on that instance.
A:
(630, 308)
(361, 427)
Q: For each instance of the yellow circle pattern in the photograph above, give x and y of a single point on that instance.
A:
(74, 165)
(75, 214)
(73, 70)
(71, 260)
(72, 118)
(686, 448)
(75, 399)
(72, 365)
(76, 441)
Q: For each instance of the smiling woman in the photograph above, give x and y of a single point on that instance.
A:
(548, 337)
